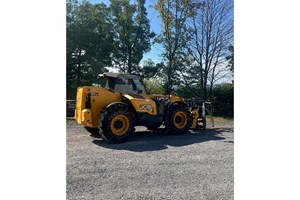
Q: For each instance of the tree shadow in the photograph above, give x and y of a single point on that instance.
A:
(143, 141)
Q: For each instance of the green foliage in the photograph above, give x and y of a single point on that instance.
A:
(89, 43)
(188, 91)
(154, 85)
(222, 100)
(99, 36)
(153, 76)
(174, 36)
(150, 70)
(223, 93)
(132, 34)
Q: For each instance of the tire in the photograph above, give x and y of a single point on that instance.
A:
(93, 131)
(116, 124)
(177, 120)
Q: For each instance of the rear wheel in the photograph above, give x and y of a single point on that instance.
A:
(116, 123)
(177, 120)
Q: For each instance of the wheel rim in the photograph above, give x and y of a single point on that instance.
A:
(119, 124)
(180, 119)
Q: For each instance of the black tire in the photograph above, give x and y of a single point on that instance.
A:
(177, 120)
(93, 131)
(116, 123)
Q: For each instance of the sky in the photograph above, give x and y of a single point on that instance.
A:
(155, 23)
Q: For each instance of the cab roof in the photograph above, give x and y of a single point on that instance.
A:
(115, 75)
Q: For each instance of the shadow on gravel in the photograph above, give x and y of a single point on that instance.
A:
(155, 141)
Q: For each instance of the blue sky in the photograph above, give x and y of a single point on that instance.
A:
(155, 24)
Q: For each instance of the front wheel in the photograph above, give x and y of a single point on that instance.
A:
(116, 124)
(177, 120)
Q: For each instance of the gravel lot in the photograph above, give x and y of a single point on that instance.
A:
(197, 165)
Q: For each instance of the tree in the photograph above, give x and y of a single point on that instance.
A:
(230, 58)
(222, 101)
(131, 33)
(153, 76)
(174, 37)
(212, 34)
(149, 69)
(89, 43)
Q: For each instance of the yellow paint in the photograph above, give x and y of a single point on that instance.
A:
(182, 119)
(100, 98)
(148, 104)
(170, 97)
(86, 117)
(195, 115)
(123, 120)
(79, 102)
(175, 98)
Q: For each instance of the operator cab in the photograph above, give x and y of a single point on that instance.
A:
(124, 83)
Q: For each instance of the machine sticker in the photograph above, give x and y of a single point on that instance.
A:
(145, 107)
(94, 94)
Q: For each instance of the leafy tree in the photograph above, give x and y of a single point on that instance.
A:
(154, 85)
(153, 76)
(187, 91)
(222, 101)
(174, 36)
(131, 34)
(150, 70)
(89, 43)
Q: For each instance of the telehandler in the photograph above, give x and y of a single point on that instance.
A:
(114, 110)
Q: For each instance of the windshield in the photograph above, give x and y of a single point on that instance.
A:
(139, 86)
(129, 84)
(110, 83)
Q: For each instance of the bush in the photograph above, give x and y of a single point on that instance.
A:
(222, 100)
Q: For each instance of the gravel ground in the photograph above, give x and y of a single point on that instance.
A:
(197, 165)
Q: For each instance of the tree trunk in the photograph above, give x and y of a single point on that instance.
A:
(169, 73)
(204, 87)
(129, 59)
(211, 90)
(78, 69)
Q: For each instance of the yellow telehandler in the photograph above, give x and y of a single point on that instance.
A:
(114, 110)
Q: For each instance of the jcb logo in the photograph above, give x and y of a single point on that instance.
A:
(145, 107)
